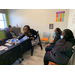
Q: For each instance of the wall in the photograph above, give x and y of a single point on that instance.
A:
(38, 19)
(7, 19)
(2, 34)
(71, 25)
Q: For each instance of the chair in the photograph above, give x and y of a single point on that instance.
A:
(46, 36)
(52, 63)
(37, 41)
(72, 59)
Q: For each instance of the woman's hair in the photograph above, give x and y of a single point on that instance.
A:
(58, 29)
(27, 27)
(9, 26)
(27, 33)
(68, 34)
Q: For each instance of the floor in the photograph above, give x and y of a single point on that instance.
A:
(36, 59)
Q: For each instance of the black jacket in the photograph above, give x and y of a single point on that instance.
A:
(9, 36)
(57, 37)
(33, 33)
(62, 51)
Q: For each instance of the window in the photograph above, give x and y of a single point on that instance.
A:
(2, 21)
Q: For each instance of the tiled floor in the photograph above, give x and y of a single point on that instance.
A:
(36, 59)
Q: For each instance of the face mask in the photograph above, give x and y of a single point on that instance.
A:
(61, 37)
(54, 33)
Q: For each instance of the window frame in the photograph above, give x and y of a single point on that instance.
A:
(4, 21)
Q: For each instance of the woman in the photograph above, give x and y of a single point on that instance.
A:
(29, 32)
(62, 50)
(57, 33)
(11, 34)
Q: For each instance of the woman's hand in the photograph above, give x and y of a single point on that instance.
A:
(15, 36)
(47, 45)
(12, 43)
(31, 37)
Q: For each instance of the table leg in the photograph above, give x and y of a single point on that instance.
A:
(32, 49)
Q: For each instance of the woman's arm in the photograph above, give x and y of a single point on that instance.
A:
(20, 37)
(65, 47)
(9, 36)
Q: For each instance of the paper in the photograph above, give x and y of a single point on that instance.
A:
(11, 40)
(24, 38)
(8, 44)
(3, 48)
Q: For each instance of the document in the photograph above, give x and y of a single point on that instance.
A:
(3, 48)
(8, 44)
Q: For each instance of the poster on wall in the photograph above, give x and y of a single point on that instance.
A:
(73, 21)
(60, 16)
(51, 26)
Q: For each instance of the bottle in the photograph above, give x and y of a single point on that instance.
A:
(17, 25)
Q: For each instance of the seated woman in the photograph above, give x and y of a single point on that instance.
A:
(29, 32)
(11, 34)
(62, 50)
(57, 33)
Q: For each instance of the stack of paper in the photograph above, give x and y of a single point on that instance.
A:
(3, 48)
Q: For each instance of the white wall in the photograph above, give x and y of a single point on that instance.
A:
(71, 25)
(38, 19)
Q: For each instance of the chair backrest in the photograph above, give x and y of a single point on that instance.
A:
(6, 30)
(38, 36)
(46, 35)
(72, 59)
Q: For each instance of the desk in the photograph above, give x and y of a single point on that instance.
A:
(8, 57)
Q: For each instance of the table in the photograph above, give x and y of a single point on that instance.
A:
(8, 57)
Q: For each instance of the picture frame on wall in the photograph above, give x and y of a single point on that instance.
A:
(51, 26)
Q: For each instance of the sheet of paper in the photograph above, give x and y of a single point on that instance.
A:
(3, 48)
(8, 44)
(25, 37)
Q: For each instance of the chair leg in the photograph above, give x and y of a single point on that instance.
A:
(20, 60)
(32, 49)
(40, 45)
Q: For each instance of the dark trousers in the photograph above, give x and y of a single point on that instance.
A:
(47, 58)
(48, 48)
